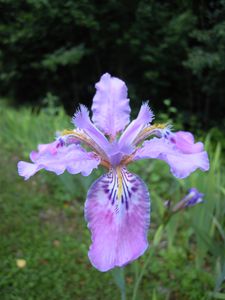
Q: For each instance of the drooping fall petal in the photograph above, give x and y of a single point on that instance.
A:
(117, 210)
(184, 141)
(111, 110)
(182, 156)
(72, 158)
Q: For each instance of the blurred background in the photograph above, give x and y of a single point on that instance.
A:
(51, 55)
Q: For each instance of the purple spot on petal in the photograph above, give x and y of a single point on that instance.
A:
(134, 188)
(60, 143)
(172, 140)
(113, 198)
(132, 180)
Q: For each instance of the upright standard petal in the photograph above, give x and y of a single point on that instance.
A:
(111, 110)
(117, 210)
(144, 117)
(72, 158)
(183, 156)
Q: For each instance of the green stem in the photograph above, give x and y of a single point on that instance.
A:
(156, 241)
(138, 281)
(157, 238)
(118, 275)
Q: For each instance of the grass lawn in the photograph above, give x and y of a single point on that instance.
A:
(42, 223)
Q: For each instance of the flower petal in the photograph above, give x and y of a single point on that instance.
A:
(72, 158)
(183, 157)
(50, 148)
(81, 120)
(118, 217)
(111, 110)
(144, 117)
(27, 170)
(185, 142)
(194, 197)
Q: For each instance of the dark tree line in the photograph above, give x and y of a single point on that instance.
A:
(162, 49)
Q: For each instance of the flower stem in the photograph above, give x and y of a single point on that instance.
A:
(118, 275)
(156, 241)
(139, 278)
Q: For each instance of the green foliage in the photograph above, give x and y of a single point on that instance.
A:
(27, 133)
(63, 57)
(162, 49)
(42, 222)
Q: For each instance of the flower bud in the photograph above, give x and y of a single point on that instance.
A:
(192, 198)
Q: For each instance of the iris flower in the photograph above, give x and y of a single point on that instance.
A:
(117, 208)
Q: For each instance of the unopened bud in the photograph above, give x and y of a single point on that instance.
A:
(192, 198)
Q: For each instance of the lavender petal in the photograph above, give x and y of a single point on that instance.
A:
(118, 225)
(111, 110)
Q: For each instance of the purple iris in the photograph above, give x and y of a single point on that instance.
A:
(191, 199)
(117, 207)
